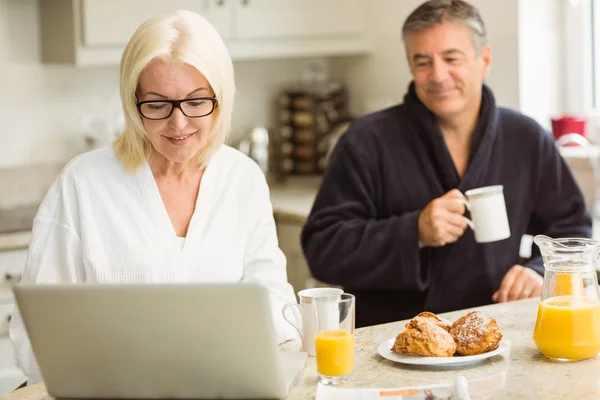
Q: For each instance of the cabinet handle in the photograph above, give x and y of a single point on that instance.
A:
(245, 2)
(220, 3)
(12, 278)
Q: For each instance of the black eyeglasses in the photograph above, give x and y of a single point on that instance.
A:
(191, 108)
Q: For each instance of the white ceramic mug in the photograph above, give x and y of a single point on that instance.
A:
(306, 313)
(488, 213)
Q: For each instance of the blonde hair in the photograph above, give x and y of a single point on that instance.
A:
(181, 37)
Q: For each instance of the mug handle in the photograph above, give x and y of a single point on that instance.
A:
(470, 223)
(466, 203)
(468, 206)
(291, 306)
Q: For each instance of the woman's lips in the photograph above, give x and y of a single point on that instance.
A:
(180, 140)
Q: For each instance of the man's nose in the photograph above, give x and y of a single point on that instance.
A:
(439, 71)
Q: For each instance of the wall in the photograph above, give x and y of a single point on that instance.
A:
(525, 74)
(542, 59)
(46, 110)
(41, 107)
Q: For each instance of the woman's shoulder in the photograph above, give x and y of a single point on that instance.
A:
(104, 156)
(96, 161)
(85, 173)
(232, 161)
(238, 175)
(92, 167)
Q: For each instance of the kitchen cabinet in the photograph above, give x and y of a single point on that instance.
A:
(292, 202)
(276, 19)
(11, 266)
(94, 33)
(299, 276)
(289, 242)
(102, 26)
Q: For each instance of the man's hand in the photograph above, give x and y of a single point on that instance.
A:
(519, 283)
(442, 221)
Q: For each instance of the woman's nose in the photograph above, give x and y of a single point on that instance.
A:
(177, 120)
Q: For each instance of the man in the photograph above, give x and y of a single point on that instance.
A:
(388, 224)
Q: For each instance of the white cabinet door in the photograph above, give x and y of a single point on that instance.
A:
(112, 22)
(10, 375)
(280, 19)
(12, 263)
(298, 274)
(94, 32)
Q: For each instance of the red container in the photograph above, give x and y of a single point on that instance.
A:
(568, 124)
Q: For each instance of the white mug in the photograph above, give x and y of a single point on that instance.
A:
(488, 214)
(307, 315)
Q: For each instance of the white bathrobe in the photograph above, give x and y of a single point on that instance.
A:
(100, 224)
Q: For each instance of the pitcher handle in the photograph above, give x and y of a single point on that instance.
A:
(572, 138)
(292, 306)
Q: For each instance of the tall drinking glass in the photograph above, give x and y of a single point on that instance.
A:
(334, 340)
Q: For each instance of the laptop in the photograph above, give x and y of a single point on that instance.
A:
(181, 341)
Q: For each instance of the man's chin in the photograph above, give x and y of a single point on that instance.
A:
(445, 109)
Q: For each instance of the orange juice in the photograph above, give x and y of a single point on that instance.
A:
(569, 284)
(335, 353)
(568, 327)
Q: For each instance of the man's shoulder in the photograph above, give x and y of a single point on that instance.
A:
(521, 127)
(512, 116)
(373, 125)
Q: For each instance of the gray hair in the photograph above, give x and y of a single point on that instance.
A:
(435, 12)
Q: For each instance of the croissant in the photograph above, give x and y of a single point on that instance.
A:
(423, 337)
(441, 322)
(475, 333)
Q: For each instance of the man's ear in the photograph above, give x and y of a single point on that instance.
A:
(408, 60)
(486, 60)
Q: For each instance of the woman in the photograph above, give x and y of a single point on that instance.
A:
(170, 202)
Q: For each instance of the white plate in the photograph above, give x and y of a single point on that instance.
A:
(385, 351)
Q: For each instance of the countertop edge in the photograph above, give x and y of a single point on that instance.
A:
(15, 240)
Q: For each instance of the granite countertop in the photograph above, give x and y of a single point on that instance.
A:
(15, 227)
(17, 219)
(520, 373)
(293, 200)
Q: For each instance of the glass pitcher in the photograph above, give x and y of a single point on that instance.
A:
(568, 320)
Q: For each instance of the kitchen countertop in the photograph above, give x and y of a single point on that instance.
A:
(15, 240)
(15, 227)
(520, 373)
(17, 219)
(293, 200)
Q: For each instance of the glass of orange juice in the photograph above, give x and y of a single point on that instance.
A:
(568, 321)
(334, 339)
